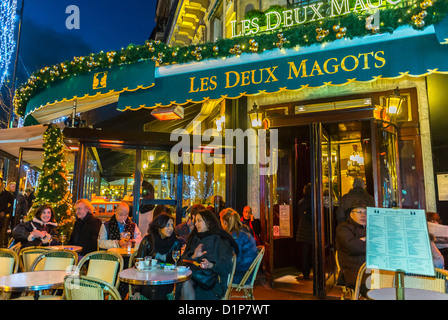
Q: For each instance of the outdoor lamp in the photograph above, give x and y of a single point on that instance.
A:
(168, 113)
(393, 102)
(256, 117)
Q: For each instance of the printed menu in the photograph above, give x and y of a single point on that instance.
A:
(397, 239)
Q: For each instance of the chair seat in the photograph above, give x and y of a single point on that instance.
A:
(42, 297)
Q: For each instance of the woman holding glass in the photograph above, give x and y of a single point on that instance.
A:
(40, 231)
(212, 248)
(162, 244)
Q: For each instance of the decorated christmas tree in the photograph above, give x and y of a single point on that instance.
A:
(53, 185)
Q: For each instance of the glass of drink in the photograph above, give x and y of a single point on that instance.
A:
(176, 256)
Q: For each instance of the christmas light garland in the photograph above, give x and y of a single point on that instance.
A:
(419, 14)
(7, 42)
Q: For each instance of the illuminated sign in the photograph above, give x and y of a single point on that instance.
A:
(304, 14)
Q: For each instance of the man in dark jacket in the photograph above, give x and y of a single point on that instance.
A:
(86, 229)
(351, 245)
(357, 193)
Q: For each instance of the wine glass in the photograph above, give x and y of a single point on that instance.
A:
(176, 256)
(62, 238)
(125, 236)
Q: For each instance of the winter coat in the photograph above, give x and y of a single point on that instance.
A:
(347, 201)
(219, 246)
(6, 202)
(247, 253)
(305, 226)
(22, 233)
(85, 234)
(351, 249)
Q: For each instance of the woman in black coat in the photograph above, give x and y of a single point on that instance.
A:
(159, 243)
(41, 231)
(211, 247)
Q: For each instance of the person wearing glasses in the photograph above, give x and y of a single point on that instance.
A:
(351, 245)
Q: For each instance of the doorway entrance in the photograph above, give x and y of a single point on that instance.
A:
(317, 164)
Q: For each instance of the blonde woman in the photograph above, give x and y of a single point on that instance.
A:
(230, 221)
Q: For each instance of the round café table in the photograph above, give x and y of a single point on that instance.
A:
(66, 247)
(409, 294)
(153, 277)
(122, 251)
(33, 281)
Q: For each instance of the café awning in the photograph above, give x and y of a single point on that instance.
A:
(404, 53)
(31, 137)
(91, 90)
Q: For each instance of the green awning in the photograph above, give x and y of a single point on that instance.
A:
(91, 90)
(339, 63)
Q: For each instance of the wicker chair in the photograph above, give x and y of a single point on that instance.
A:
(131, 264)
(230, 279)
(28, 255)
(52, 260)
(9, 263)
(56, 260)
(386, 279)
(88, 288)
(102, 265)
(347, 293)
(248, 289)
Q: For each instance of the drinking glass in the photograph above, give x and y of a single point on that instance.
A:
(125, 236)
(176, 256)
(62, 238)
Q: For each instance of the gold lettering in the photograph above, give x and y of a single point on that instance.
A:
(292, 67)
(204, 84)
(245, 78)
(343, 63)
(271, 74)
(237, 80)
(336, 66)
(253, 77)
(316, 67)
(379, 59)
(213, 82)
(366, 59)
(192, 85)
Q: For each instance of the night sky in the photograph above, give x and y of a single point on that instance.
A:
(104, 25)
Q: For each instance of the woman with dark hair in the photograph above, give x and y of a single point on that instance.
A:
(211, 247)
(159, 243)
(40, 231)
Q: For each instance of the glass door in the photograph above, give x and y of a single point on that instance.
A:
(323, 168)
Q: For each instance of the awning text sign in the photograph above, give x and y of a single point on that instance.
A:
(415, 56)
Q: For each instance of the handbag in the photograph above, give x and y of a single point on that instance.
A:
(204, 278)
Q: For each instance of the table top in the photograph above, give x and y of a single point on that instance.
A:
(122, 251)
(409, 294)
(32, 281)
(67, 247)
(153, 277)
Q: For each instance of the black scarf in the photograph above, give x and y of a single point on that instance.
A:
(114, 230)
(163, 246)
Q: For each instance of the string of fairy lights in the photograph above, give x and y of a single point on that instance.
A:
(417, 14)
(7, 41)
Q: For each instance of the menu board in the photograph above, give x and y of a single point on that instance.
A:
(397, 239)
